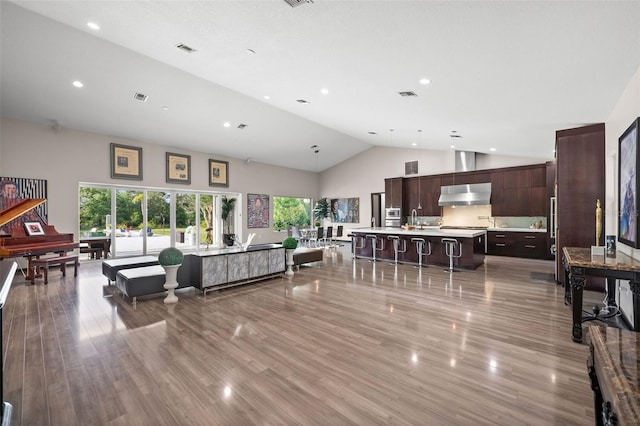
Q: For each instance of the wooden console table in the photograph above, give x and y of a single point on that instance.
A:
(614, 370)
(578, 263)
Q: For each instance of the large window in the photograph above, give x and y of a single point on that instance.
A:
(143, 221)
(291, 211)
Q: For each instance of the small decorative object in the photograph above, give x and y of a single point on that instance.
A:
(178, 168)
(290, 245)
(219, 173)
(611, 246)
(34, 228)
(126, 162)
(170, 259)
(597, 250)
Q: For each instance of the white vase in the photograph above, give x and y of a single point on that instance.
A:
(289, 255)
(171, 282)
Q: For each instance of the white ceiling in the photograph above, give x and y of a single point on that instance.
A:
(505, 75)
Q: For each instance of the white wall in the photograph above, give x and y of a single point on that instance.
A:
(68, 157)
(626, 110)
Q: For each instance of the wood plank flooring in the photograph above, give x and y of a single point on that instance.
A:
(341, 343)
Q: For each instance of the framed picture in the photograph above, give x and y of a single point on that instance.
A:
(257, 211)
(178, 168)
(218, 173)
(345, 210)
(33, 228)
(628, 185)
(126, 162)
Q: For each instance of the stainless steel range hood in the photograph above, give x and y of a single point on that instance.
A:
(475, 194)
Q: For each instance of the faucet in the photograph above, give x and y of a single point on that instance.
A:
(414, 215)
(373, 222)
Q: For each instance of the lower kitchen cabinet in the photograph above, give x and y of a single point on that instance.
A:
(525, 244)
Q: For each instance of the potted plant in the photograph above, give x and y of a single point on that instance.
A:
(170, 259)
(289, 245)
(228, 204)
(321, 210)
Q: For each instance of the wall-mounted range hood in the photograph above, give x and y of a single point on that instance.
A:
(475, 194)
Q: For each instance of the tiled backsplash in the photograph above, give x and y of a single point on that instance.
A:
(477, 216)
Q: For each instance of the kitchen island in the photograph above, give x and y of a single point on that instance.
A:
(472, 241)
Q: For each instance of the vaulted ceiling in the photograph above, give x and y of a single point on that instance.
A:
(504, 76)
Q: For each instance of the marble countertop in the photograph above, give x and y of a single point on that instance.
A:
(617, 352)
(427, 232)
(581, 257)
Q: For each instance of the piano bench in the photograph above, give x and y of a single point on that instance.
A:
(46, 262)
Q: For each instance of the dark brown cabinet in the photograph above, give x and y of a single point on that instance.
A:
(519, 191)
(531, 245)
(393, 192)
(580, 181)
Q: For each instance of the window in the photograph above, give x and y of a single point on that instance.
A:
(291, 211)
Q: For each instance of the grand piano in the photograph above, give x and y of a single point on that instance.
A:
(19, 244)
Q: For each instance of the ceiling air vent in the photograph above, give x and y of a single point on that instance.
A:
(140, 97)
(302, 101)
(186, 48)
(411, 168)
(407, 94)
(296, 3)
(241, 126)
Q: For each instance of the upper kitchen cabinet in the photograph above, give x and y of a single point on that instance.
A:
(393, 192)
(421, 191)
(519, 191)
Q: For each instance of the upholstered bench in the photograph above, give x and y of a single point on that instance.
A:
(111, 267)
(46, 262)
(140, 281)
(307, 255)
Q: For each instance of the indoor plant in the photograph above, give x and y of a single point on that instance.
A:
(170, 259)
(321, 210)
(228, 204)
(290, 244)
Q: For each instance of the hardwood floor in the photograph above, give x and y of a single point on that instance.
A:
(345, 342)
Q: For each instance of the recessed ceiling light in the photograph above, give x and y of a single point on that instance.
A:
(251, 51)
(165, 108)
(77, 83)
(226, 124)
(324, 91)
(372, 133)
(267, 97)
(452, 146)
(492, 149)
(425, 81)
(93, 26)
(414, 144)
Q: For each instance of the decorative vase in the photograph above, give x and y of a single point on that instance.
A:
(289, 256)
(171, 282)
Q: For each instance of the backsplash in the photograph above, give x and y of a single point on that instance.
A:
(476, 216)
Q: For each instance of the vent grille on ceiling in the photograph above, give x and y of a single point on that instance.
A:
(406, 94)
(185, 48)
(296, 3)
(302, 101)
(411, 168)
(241, 126)
(140, 97)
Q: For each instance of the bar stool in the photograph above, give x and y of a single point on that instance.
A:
(396, 247)
(354, 245)
(450, 245)
(420, 243)
(374, 245)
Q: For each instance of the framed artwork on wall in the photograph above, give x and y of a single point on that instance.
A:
(126, 162)
(218, 173)
(178, 168)
(345, 210)
(257, 211)
(628, 186)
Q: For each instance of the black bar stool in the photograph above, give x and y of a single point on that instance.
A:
(450, 246)
(354, 243)
(420, 243)
(396, 247)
